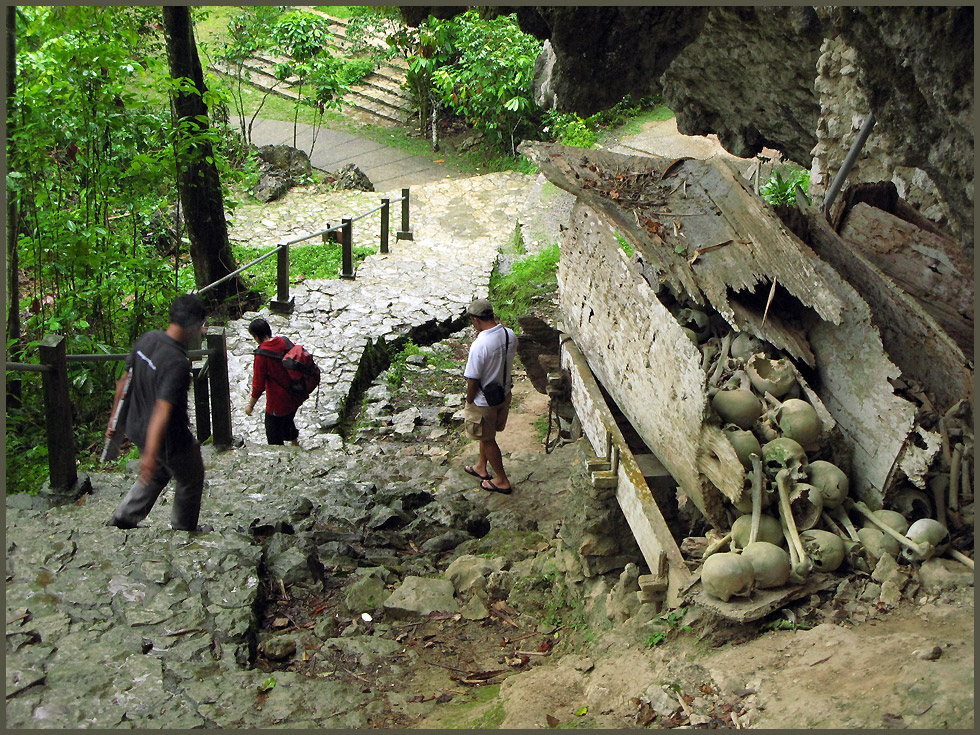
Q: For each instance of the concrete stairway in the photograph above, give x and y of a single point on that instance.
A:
(379, 99)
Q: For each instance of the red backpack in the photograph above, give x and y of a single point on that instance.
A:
(304, 375)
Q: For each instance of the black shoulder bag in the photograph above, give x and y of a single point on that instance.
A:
(493, 391)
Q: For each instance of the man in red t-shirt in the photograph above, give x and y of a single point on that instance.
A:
(270, 377)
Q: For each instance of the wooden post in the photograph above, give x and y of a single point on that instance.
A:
(220, 387)
(282, 303)
(405, 233)
(385, 213)
(202, 403)
(57, 410)
(347, 270)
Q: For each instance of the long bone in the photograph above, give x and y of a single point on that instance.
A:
(954, 482)
(716, 546)
(795, 562)
(756, 496)
(845, 521)
(803, 566)
(922, 551)
(722, 362)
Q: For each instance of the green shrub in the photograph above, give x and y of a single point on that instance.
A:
(515, 293)
(781, 191)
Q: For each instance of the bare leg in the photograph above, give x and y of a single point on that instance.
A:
(490, 452)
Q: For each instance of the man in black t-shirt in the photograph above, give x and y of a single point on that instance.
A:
(158, 423)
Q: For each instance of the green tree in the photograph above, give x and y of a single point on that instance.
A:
(488, 77)
(306, 40)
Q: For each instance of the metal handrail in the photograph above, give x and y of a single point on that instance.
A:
(287, 243)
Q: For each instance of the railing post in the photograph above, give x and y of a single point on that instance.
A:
(405, 233)
(220, 387)
(282, 303)
(348, 253)
(384, 224)
(202, 402)
(57, 410)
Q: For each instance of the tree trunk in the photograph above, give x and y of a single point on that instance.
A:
(198, 182)
(13, 259)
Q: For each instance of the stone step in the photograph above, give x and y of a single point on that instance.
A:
(382, 97)
(382, 112)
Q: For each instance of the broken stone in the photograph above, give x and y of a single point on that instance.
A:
(419, 596)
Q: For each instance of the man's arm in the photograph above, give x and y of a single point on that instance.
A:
(472, 388)
(154, 438)
(120, 386)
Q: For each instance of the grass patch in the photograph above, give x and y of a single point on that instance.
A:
(396, 371)
(305, 262)
(515, 293)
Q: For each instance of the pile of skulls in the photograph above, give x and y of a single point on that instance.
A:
(796, 517)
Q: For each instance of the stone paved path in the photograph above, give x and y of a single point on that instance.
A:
(458, 228)
(152, 628)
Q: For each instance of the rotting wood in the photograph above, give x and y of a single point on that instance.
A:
(921, 263)
(913, 339)
(639, 507)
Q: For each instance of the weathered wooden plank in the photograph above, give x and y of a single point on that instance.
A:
(922, 263)
(914, 341)
(635, 498)
(636, 349)
(762, 602)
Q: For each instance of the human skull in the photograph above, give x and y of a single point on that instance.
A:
(744, 443)
(727, 574)
(769, 530)
(740, 407)
(929, 533)
(775, 377)
(830, 480)
(770, 564)
(891, 518)
(878, 543)
(806, 505)
(825, 549)
(912, 503)
(798, 420)
(695, 320)
(784, 453)
(744, 346)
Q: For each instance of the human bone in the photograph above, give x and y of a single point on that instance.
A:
(910, 502)
(744, 443)
(806, 504)
(769, 531)
(770, 563)
(825, 549)
(801, 564)
(739, 406)
(784, 453)
(695, 320)
(830, 480)
(798, 420)
(926, 531)
(877, 543)
(727, 575)
(770, 376)
(914, 551)
(744, 346)
(890, 518)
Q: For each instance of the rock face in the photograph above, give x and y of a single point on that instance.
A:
(797, 79)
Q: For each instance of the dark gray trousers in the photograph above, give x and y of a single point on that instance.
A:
(187, 470)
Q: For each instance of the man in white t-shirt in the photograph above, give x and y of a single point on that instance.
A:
(490, 361)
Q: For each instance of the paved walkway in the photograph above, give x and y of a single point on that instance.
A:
(388, 168)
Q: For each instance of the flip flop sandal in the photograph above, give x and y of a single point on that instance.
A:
(470, 470)
(488, 485)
